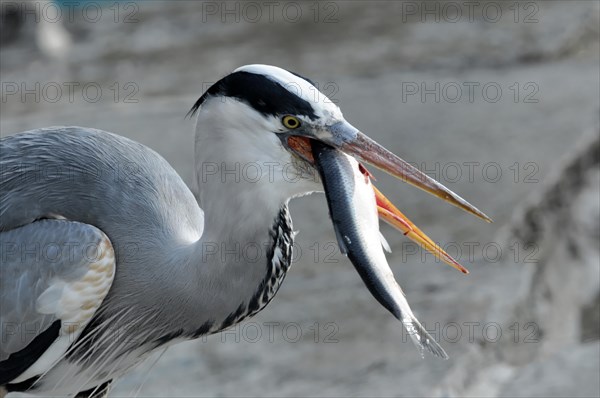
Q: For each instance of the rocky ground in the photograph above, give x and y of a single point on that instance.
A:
(525, 322)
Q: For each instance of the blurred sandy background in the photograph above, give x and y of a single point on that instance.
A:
(497, 100)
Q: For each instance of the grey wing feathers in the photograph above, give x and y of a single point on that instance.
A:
(51, 270)
(95, 177)
(109, 185)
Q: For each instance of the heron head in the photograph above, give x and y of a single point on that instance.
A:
(273, 114)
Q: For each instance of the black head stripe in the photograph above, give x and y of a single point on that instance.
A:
(261, 93)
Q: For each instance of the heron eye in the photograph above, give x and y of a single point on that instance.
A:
(290, 122)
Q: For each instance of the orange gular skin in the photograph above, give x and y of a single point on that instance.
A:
(302, 146)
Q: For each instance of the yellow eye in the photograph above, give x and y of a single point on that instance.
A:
(290, 122)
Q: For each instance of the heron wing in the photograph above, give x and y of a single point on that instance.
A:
(54, 276)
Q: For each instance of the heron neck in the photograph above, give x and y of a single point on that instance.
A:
(243, 183)
(245, 249)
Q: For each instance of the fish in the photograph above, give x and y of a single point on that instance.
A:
(354, 207)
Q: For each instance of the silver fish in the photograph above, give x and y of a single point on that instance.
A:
(353, 206)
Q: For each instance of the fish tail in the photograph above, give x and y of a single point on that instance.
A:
(421, 338)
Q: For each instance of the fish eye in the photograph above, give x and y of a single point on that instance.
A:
(291, 122)
(363, 170)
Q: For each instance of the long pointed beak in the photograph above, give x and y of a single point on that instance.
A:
(348, 139)
(390, 214)
(369, 151)
(345, 137)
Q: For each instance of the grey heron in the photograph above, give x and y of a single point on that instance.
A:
(105, 250)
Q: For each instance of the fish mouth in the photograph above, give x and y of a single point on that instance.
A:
(349, 140)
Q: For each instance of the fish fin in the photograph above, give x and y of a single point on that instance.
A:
(421, 338)
(340, 239)
(384, 243)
